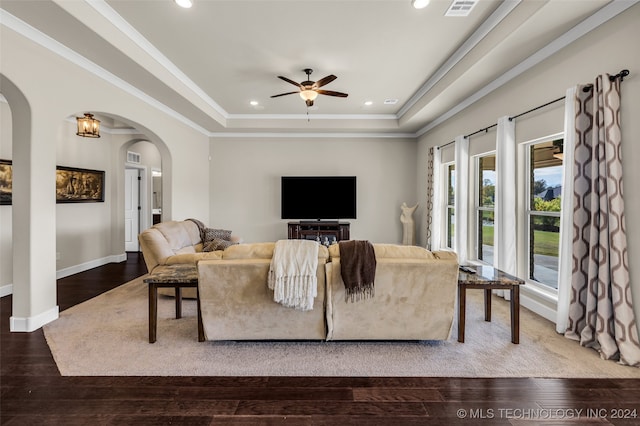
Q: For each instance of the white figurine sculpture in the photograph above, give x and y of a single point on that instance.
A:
(408, 226)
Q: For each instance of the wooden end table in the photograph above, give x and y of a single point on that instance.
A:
(489, 278)
(177, 277)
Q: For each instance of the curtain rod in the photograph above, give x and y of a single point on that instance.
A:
(621, 75)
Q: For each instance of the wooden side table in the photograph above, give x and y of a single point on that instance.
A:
(177, 277)
(489, 278)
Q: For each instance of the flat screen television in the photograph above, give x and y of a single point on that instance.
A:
(318, 197)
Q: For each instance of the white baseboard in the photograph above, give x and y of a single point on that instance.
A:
(6, 290)
(116, 258)
(29, 324)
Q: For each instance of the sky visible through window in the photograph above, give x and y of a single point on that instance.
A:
(551, 175)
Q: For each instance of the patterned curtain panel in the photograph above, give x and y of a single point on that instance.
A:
(429, 203)
(601, 309)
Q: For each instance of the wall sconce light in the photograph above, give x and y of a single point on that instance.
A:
(88, 127)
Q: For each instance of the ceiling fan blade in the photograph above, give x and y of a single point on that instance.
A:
(289, 81)
(332, 93)
(328, 79)
(282, 94)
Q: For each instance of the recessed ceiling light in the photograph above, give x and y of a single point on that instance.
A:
(419, 4)
(254, 103)
(184, 3)
(390, 101)
(367, 103)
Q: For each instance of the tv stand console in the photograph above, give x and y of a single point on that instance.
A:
(310, 230)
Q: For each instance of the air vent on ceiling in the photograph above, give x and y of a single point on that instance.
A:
(460, 7)
(133, 157)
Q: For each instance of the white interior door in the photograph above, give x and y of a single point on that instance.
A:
(131, 209)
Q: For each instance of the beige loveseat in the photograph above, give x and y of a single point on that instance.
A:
(173, 242)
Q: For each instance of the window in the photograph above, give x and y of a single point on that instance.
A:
(543, 211)
(485, 205)
(450, 204)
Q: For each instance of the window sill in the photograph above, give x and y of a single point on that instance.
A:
(547, 295)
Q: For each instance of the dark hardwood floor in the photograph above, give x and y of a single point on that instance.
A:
(32, 391)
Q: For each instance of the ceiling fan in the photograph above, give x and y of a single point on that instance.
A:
(309, 90)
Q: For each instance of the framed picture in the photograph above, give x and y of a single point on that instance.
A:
(6, 182)
(79, 185)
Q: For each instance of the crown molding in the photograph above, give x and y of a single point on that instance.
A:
(130, 32)
(314, 116)
(487, 26)
(301, 135)
(601, 16)
(592, 22)
(38, 37)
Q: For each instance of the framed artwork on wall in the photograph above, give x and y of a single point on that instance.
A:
(79, 185)
(6, 182)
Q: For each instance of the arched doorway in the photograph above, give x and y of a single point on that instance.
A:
(142, 190)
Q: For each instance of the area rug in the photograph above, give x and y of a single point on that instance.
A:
(108, 336)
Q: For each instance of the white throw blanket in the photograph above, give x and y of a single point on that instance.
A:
(292, 275)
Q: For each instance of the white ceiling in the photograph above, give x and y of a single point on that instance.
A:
(206, 64)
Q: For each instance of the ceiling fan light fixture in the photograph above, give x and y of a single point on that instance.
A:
(309, 90)
(420, 4)
(184, 3)
(308, 95)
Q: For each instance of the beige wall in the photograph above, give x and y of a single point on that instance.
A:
(608, 49)
(82, 233)
(83, 230)
(245, 182)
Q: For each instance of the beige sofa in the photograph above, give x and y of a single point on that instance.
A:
(415, 291)
(172, 242)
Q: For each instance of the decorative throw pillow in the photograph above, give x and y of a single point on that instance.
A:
(211, 234)
(217, 244)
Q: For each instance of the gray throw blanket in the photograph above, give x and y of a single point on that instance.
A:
(358, 269)
(201, 227)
